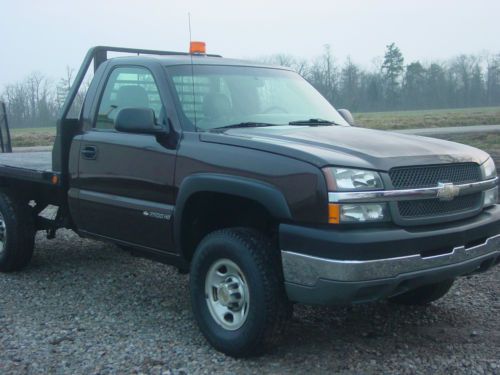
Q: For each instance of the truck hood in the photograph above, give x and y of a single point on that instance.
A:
(348, 146)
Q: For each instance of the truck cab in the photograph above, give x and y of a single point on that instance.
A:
(246, 177)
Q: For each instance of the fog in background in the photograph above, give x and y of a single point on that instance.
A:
(367, 56)
(49, 35)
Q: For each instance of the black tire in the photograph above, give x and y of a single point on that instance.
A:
(424, 294)
(18, 234)
(268, 308)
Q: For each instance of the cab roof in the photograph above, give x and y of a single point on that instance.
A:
(195, 59)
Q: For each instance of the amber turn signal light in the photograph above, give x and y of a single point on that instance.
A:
(333, 213)
(197, 47)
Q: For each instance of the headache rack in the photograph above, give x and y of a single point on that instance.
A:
(5, 143)
(66, 127)
(99, 54)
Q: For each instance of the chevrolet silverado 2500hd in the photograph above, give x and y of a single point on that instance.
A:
(246, 177)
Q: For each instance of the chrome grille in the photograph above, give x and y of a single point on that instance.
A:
(428, 176)
(435, 207)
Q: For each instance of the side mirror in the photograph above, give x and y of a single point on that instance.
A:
(347, 115)
(137, 120)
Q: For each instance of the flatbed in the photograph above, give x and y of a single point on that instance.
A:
(31, 166)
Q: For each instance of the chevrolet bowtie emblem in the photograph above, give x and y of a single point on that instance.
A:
(447, 191)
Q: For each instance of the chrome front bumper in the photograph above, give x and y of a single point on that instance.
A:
(307, 270)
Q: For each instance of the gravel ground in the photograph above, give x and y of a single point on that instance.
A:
(83, 307)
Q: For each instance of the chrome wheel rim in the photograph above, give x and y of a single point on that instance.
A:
(226, 293)
(3, 234)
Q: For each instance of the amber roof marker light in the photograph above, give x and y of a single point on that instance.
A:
(197, 48)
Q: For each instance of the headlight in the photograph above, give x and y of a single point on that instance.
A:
(489, 169)
(362, 213)
(490, 197)
(344, 179)
(358, 213)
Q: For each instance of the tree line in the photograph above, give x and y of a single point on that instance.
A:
(391, 84)
(36, 100)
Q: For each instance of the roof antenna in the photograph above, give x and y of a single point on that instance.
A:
(192, 71)
(189, 24)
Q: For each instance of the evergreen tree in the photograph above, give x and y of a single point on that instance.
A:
(392, 69)
(435, 87)
(414, 86)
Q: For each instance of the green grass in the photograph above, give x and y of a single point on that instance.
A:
(429, 118)
(489, 142)
(21, 131)
(376, 120)
(26, 137)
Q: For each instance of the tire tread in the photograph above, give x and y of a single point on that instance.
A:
(21, 234)
(267, 261)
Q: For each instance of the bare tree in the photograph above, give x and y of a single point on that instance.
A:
(466, 80)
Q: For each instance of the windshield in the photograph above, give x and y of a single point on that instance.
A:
(214, 96)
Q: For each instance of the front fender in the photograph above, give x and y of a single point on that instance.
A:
(265, 194)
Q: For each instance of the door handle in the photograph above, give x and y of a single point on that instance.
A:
(89, 152)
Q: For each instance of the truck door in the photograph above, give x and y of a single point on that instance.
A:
(125, 180)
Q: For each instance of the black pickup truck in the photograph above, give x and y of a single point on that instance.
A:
(246, 177)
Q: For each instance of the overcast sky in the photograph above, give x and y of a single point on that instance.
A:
(48, 35)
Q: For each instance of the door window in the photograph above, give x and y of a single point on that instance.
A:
(128, 87)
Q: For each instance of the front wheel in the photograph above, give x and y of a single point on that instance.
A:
(237, 291)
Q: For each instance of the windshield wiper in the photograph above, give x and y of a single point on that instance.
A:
(245, 125)
(313, 122)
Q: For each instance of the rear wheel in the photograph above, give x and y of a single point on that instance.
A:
(237, 291)
(424, 294)
(17, 232)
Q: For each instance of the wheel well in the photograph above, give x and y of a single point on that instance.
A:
(205, 212)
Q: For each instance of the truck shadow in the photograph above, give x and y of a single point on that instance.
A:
(384, 330)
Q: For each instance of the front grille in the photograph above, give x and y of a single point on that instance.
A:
(435, 207)
(429, 176)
